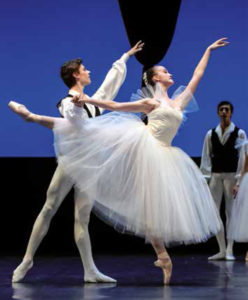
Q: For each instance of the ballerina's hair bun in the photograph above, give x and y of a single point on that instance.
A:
(147, 76)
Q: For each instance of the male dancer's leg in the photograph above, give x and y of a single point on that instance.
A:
(216, 188)
(229, 183)
(58, 189)
(83, 206)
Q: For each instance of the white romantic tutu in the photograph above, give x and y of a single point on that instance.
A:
(138, 185)
(238, 226)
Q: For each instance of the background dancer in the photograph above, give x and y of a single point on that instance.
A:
(219, 163)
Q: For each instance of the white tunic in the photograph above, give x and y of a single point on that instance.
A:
(107, 91)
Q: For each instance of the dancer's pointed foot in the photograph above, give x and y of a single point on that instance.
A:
(219, 256)
(97, 277)
(166, 265)
(21, 110)
(21, 271)
(246, 257)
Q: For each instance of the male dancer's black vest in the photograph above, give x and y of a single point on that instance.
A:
(98, 113)
(224, 157)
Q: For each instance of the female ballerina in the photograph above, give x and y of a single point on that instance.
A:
(158, 192)
(237, 229)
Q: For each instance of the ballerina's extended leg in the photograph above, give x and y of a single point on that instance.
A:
(23, 112)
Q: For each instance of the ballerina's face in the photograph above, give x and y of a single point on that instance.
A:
(82, 76)
(162, 75)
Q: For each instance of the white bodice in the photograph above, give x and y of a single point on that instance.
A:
(164, 122)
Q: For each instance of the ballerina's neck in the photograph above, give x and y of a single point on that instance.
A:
(168, 101)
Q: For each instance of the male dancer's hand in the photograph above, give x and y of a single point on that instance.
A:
(136, 48)
(235, 190)
(78, 100)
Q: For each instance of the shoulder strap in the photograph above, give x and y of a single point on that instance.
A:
(87, 110)
(85, 106)
(59, 103)
(236, 129)
(235, 132)
(98, 113)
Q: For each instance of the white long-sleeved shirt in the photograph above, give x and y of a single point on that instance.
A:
(206, 163)
(107, 91)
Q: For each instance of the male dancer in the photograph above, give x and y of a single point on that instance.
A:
(220, 164)
(76, 77)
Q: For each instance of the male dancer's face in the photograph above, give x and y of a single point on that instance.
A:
(82, 76)
(225, 113)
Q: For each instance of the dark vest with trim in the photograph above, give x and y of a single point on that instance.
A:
(224, 157)
(98, 113)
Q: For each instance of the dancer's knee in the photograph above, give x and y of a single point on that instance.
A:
(82, 214)
(80, 229)
(49, 210)
(53, 201)
(83, 218)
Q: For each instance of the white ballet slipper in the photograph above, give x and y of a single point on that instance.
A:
(21, 271)
(230, 257)
(219, 256)
(97, 277)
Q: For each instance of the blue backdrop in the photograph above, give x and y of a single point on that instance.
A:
(38, 36)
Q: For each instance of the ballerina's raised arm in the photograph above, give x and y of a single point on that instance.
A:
(185, 96)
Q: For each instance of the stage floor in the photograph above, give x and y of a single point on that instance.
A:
(62, 278)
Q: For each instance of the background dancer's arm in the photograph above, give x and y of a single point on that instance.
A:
(242, 168)
(185, 97)
(246, 165)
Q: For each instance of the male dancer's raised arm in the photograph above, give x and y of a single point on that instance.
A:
(108, 89)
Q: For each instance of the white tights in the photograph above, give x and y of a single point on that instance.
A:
(57, 191)
(223, 184)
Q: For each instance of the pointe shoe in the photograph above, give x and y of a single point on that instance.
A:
(21, 271)
(21, 110)
(246, 257)
(166, 266)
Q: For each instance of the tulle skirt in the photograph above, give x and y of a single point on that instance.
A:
(238, 227)
(138, 185)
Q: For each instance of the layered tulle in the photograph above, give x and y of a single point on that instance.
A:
(238, 227)
(138, 185)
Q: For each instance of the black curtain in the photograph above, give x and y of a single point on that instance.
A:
(154, 23)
